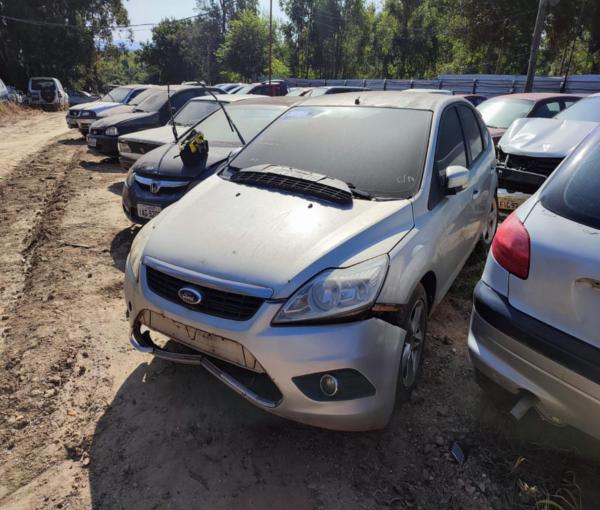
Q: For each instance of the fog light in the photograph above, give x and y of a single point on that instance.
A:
(329, 385)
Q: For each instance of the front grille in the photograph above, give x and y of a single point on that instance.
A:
(293, 184)
(543, 166)
(141, 148)
(228, 305)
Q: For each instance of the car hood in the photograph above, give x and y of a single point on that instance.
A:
(125, 118)
(165, 161)
(117, 110)
(96, 106)
(162, 134)
(272, 239)
(544, 138)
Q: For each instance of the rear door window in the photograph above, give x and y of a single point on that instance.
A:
(472, 132)
(573, 192)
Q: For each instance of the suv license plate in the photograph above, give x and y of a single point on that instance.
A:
(91, 141)
(148, 211)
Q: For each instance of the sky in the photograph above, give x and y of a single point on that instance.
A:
(152, 11)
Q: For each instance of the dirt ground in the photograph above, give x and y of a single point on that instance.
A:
(86, 422)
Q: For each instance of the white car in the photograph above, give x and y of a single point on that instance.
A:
(303, 274)
(531, 148)
(135, 145)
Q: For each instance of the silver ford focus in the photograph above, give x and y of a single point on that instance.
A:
(535, 327)
(303, 274)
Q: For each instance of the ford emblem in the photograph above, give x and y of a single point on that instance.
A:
(190, 296)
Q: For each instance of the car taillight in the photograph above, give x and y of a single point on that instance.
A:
(511, 247)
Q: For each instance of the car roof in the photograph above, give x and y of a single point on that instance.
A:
(227, 98)
(536, 96)
(288, 101)
(386, 99)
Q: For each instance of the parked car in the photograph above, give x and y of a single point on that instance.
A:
(82, 116)
(80, 97)
(531, 149)
(154, 111)
(276, 88)
(47, 93)
(323, 91)
(501, 111)
(229, 87)
(161, 177)
(302, 275)
(15, 95)
(135, 145)
(535, 327)
(4, 96)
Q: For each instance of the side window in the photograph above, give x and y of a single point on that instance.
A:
(472, 132)
(450, 150)
(263, 90)
(547, 110)
(568, 102)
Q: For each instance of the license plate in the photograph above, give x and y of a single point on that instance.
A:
(148, 211)
(91, 141)
(510, 201)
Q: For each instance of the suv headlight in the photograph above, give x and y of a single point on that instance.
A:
(336, 293)
(137, 248)
(124, 147)
(129, 180)
(111, 131)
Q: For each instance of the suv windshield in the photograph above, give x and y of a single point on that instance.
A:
(587, 109)
(116, 95)
(501, 113)
(194, 111)
(378, 150)
(573, 192)
(249, 119)
(40, 83)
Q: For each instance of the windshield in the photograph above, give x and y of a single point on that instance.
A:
(117, 95)
(249, 119)
(142, 96)
(298, 92)
(154, 102)
(245, 89)
(501, 113)
(378, 150)
(194, 111)
(39, 84)
(587, 110)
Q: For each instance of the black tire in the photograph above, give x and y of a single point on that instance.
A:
(491, 225)
(413, 319)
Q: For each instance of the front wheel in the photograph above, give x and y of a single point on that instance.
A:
(491, 224)
(414, 322)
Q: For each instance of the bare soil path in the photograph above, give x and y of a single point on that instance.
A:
(85, 422)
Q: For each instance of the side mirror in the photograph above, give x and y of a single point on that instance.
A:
(457, 178)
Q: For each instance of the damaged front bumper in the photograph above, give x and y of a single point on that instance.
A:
(364, 356)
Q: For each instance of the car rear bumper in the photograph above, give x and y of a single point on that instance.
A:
(520, 353)
(370, 348)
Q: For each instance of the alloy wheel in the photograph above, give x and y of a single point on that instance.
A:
(413, 345)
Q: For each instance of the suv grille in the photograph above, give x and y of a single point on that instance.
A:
(293, 184)
(228, 305)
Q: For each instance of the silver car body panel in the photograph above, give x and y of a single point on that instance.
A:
(278, 241)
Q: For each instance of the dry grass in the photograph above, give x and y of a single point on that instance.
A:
(10, 112)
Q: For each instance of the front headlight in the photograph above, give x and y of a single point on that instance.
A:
(111, 131)
(336, 293)
(129, 180)
(137, 248)
(124, 147)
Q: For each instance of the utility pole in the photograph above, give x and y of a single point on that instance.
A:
(535, 42)
(270, 40)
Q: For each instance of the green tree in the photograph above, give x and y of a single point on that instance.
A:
(244, 51)
(67, 49)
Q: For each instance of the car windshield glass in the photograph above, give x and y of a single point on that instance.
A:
(142, 96)
(573, 192)
(501, 113)
(38, 84)
(245, 89)
(194, 111)
(249, 119)
(379, 150)
(154, 102)
(297, 92)
(586, 109)
(116, 95)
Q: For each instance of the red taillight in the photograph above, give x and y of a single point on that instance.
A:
(511, 247)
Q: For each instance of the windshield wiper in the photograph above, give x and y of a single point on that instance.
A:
(359, 193)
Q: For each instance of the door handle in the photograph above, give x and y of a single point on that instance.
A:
(475, 194)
